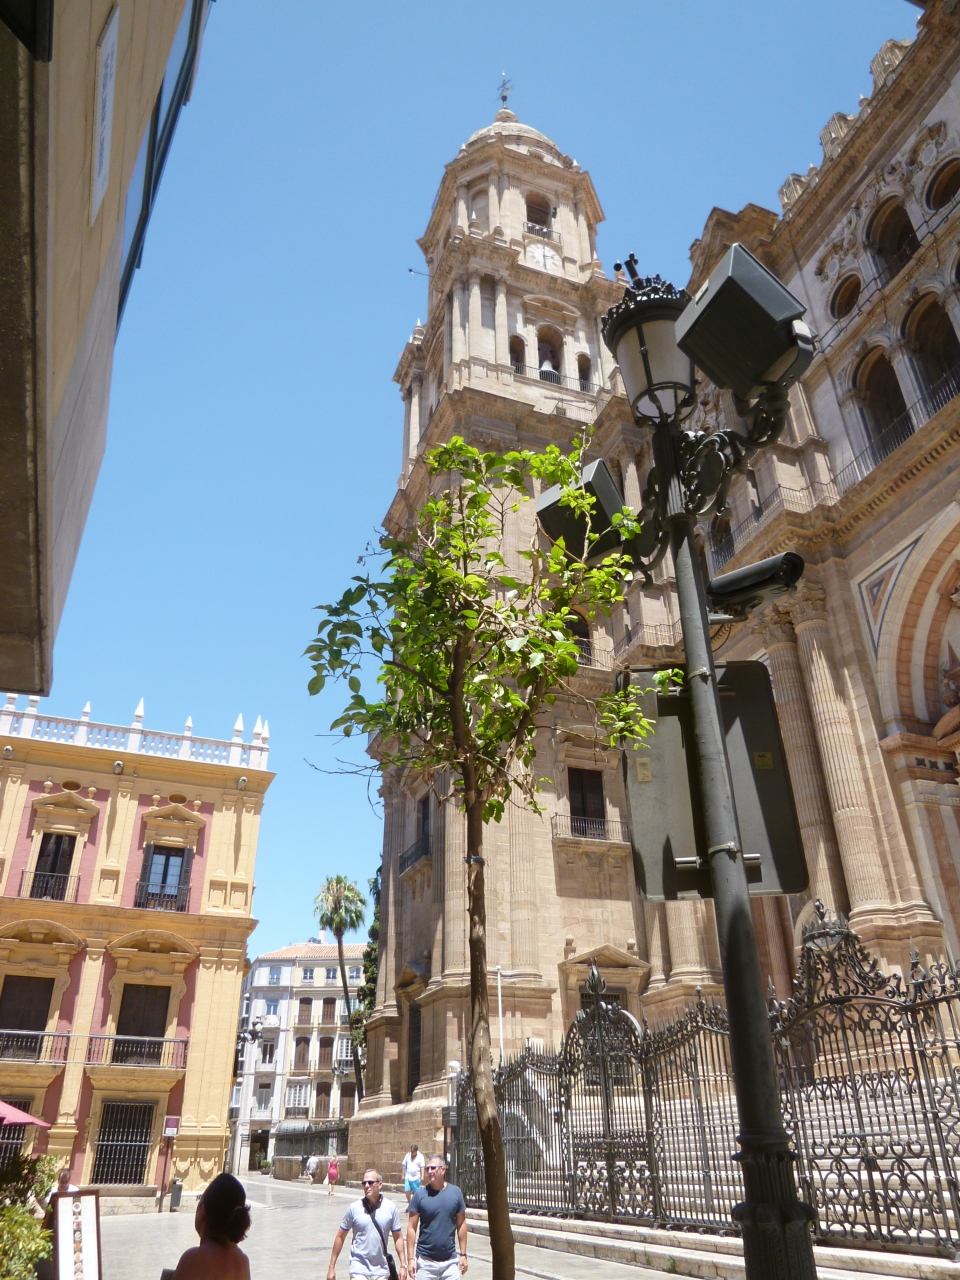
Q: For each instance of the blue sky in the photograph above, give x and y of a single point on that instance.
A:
(254, 438)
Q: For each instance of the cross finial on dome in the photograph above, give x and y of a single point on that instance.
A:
(505, 89)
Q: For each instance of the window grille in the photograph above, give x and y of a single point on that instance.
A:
(123, 1143)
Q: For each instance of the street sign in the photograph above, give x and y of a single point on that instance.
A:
(662, 786)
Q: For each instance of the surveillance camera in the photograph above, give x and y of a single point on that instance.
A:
(738, 592)
(118, 766)
(241, 783)
(8, 752)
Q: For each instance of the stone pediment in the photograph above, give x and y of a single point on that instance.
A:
(607, 957)
(40, 931)
(173, 824)
(158, 942)
(66, 809)
(538, 304)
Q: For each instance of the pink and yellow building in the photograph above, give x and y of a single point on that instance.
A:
(126, 885)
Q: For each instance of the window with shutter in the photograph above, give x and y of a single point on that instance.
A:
(24, 1008)
(141, 1023)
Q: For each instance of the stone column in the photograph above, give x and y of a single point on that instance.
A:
(853, 819)
(606, 359)
(389, 894)
(524, 948)
(911, 384)
(657, 956)
(583, 237)
(631, 479)
(459, 322)
(461, 209)
(501, 336)
(475, 322)
(775, 629)
(493, 203)
(686, 929)
(455, 959)
(569, 360)
(416, 387)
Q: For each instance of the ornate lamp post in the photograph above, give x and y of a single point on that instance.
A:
(741, 317)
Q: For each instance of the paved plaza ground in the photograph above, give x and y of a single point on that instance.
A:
(293, 1229)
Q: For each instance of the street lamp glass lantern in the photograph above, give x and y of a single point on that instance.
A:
(660, 381)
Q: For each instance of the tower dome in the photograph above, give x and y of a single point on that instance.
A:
(519, 137)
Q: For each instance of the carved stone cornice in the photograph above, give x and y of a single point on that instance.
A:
(808, 604)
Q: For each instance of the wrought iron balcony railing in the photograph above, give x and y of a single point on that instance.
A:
(33, 1046)
(157, 898)
(419, 849)
(608, 829)
(49, 885)
(296, 1113)
(557, 379)
(136, 1051)
(543, 233)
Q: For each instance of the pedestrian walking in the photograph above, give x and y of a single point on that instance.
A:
(371, 1219)
(222, 1220)
(438, 1211)
(333, 1173)
(412, 1171)
(313, 1164)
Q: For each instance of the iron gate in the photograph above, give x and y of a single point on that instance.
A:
(637, 1123)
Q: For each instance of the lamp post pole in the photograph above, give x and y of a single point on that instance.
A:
(689, 472)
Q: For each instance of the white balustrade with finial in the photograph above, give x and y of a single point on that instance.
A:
(84, 732)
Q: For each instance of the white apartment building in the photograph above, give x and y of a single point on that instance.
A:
(295, 1080)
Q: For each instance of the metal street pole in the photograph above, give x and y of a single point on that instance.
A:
(691, 473)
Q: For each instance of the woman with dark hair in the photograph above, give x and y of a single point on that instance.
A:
(222, 1221)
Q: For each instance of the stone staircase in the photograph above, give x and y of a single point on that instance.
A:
(704, 1257)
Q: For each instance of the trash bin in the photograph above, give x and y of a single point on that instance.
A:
(176, 1191)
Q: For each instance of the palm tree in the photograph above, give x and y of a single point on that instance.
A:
(339, 906)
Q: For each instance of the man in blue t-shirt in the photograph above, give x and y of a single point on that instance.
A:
(438, 1210)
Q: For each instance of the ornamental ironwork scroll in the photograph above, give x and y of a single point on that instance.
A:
(635, 1122)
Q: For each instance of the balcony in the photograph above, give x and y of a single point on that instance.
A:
(261, 1112)
(296, 1113)
(33, 1046)
(783, 498)
(419, 849)
(140, 1052)
(556, 379)
(542, 233)
(610, 830)
(155, 897)
(50, 886)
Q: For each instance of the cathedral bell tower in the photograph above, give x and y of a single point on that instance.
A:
(516, 289)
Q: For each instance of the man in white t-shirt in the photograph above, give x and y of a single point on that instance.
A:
(412, 1171)
(371, 1219)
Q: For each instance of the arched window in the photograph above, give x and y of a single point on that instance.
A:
(945, 185)
(539, 211)
(583, 372)
(936, 351)
(301, 1054)
(549, 346)
(518, 354)
(845, 297)
(892, 238)
(579, 628)
(879, 394)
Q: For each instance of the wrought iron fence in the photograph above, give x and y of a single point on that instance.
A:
(632, 1122)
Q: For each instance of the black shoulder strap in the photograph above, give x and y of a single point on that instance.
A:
(383, 1238)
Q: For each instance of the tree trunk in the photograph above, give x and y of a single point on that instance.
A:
(481, 1066)
(357, 1069)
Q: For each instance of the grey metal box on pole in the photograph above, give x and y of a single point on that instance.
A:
(665, 808)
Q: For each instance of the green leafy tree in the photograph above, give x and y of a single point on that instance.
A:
(340, 907)
(367, 993)
(24, 1182)
(473, 642)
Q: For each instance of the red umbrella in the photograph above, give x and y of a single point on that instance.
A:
(12, 1115)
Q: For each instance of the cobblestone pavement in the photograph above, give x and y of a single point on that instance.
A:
(293, 1229)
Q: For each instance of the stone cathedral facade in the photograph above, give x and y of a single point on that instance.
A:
(864, 659)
